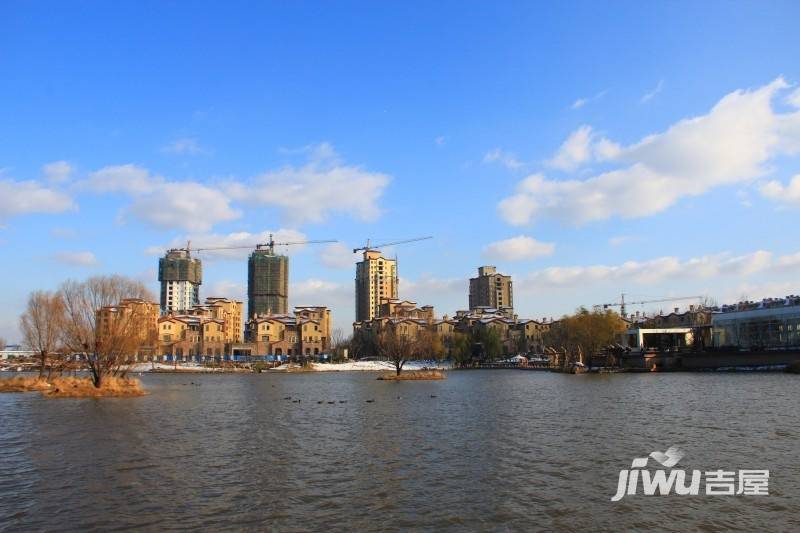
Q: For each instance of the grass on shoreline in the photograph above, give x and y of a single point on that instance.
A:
(74, 387)
(413, 375)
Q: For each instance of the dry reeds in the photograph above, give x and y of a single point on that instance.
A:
(74, 387)
(413, 375)
(23, 384)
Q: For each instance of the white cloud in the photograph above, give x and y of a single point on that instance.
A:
(518, 249)
(83, 259)
(619, 240)
(651, 94)
(788, 262)
(156, 250)
(130, 179)
(655, 270)
(338, 297)
(506, 159)
(311, 192)
(338, 255)
(240, 244)
(784, 194)
(23, 197)
(308, 193)
(187, 205)
(310, 288)
(732, 143)
(227, 289)
(317, 152)
(57, 172)
(447, 295)
(575, 150)
(580, 102)
(794, 98)
(185, 146)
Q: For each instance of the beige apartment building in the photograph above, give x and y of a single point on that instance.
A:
(204, 330)
(306, 332)
(228, 311)
(406, 319)
(191, 335)
(132, 323)
(405, 309)
(491, 290)
(376, 282)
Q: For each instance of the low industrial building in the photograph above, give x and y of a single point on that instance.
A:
(772, 323)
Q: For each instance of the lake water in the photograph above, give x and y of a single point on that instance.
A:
(484, 450)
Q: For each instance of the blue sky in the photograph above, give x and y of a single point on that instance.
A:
(585, 148)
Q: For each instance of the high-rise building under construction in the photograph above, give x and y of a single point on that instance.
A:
(180, 276)
(267, 282)
(376, 281)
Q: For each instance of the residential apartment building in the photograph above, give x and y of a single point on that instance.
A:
(230, 312)
(184, 336)
(267, 282)
(132, 325)
(491, 290)
(376, 282)
(306, 332)
(406, 319)
(181, 276)
(204, 330)
(405, 309)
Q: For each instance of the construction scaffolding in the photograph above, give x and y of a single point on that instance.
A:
(178, 265)
(267, 283)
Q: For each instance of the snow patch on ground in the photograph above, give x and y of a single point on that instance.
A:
(187, 367)
(374, 366)
(349, 366)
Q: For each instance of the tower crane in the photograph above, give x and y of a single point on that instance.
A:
(622, 303)
(371, 247)
(269, 245)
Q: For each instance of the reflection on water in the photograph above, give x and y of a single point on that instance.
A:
(484, 450)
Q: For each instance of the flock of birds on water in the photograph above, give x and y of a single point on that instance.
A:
(298, 400)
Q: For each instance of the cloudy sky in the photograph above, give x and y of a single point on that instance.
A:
(652, 148)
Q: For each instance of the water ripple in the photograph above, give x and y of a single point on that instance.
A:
(484, 451)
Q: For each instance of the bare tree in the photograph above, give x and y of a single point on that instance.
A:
(2, 343)
(429, 345)
(709, 302)
(42, 324)
(396, 348)
(338, 343)
(364, 343)
(107, 346)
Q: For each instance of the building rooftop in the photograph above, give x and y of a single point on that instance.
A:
(766, 303)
